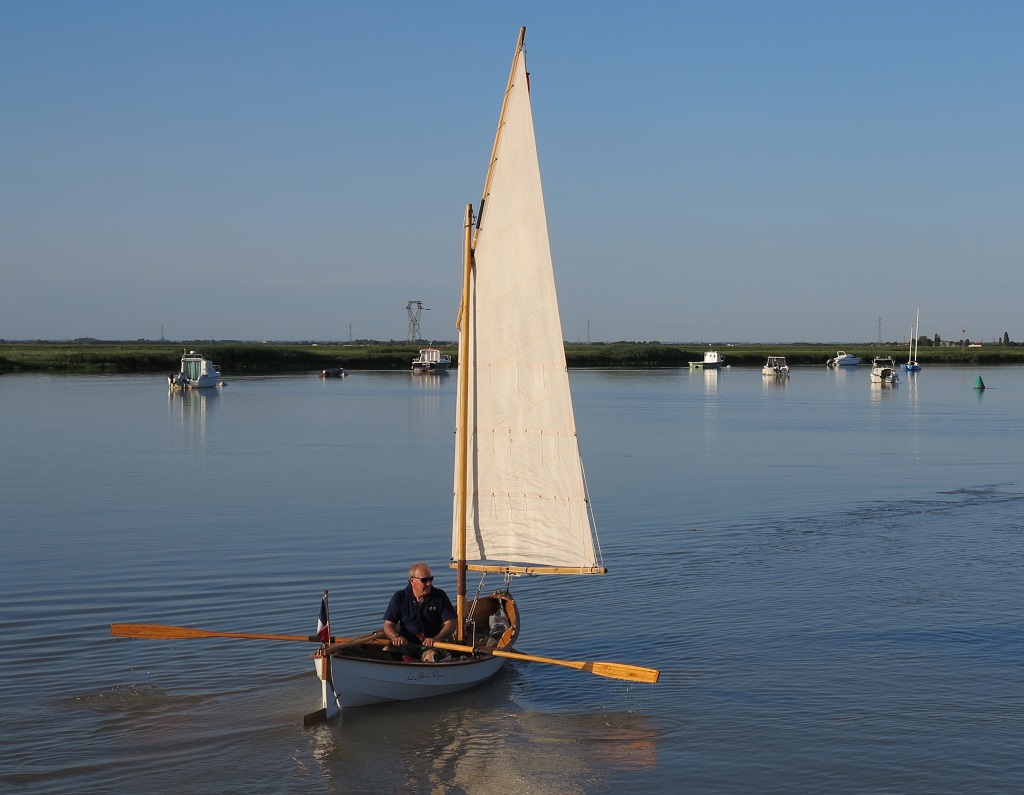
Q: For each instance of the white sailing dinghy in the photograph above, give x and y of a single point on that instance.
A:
(520, 501)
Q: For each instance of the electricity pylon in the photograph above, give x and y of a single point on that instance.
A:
(414, 308)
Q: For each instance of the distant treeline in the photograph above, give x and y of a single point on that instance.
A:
(251, 358)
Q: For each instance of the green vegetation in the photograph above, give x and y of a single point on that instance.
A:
(246, 358)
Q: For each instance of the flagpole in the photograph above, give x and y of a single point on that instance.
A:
(325, 608)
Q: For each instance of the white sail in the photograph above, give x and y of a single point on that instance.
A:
(526, 495)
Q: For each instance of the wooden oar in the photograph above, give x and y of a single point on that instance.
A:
(341, 643)
(162, 632)
(632, 673)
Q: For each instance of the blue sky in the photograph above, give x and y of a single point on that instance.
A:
(713, 171)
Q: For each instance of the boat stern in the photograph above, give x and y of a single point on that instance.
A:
(322, 663)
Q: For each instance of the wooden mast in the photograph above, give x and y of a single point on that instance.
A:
(462, 423)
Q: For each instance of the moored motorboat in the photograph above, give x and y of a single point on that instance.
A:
(776, 366)
(712, 360)
(431, 360)
(883, 371)
(197, 372)
(843, 359)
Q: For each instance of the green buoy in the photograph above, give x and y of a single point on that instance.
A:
(979, 384)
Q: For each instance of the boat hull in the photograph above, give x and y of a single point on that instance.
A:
(203, 382)
(429, 367)
(358, 683)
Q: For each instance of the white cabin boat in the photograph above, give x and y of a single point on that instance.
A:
(712, 361)
(197, 372)
(431, 360)
(843, 359)
(883, 371)
(776, 366)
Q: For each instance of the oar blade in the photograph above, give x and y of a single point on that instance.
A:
(163, 632)
(157, 632)
(631, 673)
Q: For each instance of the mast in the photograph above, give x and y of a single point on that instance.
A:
(917, 330)
(462, 422)
(463, 324)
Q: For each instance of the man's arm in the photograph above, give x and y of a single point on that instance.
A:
(391, 630)
(446, 631)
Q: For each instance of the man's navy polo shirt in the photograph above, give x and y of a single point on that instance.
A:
(419, 618)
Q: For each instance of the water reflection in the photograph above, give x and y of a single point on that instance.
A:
(481, 742)
(192, 408)
(710, 378)
(881, 392)
(429, 380)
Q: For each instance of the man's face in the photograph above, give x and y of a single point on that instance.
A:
(419, 587)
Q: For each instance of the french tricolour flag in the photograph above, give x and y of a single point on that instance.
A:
(323, 623)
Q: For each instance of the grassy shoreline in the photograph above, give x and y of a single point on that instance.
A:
(237, 358)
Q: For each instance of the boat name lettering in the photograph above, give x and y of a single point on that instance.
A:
(419, 676)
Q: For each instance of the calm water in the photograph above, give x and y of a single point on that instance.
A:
(828, 573)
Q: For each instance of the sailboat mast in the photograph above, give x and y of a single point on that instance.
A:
(462, 422)
(917, 331)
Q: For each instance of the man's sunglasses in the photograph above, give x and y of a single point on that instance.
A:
(423, 579)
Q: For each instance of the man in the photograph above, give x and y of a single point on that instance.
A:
(420, 614)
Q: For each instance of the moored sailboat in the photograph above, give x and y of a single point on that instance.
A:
(912, 365)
